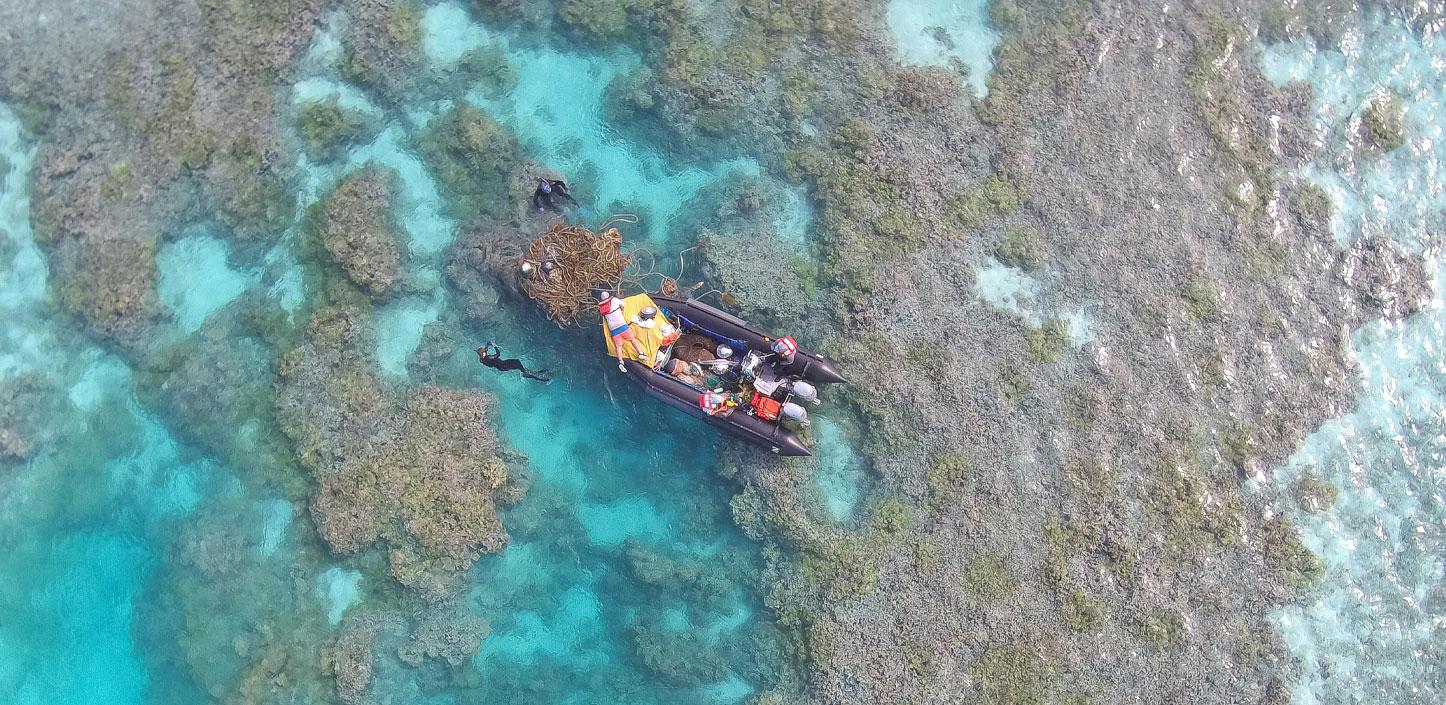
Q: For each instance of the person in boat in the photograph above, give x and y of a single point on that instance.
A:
(548, 192)
(714, 402)
(785, 349)
(611, 309)
(648, 318)
(491, 356)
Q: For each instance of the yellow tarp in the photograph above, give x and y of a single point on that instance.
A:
(649, 339)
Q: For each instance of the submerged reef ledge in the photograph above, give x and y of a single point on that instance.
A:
(415, 474)
(360, 232)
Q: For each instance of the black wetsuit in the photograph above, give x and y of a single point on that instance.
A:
(491, 356)
(542, 200)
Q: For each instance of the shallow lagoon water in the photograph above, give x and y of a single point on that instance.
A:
(572, 136)
(196, 279)
(86, 525)
(938, 31)
(570, 608)
(564, 600)
(1370, 632)
(840, 474)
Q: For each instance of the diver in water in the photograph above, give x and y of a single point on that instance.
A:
(549, 189)
(491, 356)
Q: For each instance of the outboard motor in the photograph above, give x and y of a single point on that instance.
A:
(804, 391)
(794, 414)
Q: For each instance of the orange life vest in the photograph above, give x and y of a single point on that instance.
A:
(766, 407)
(710, 402)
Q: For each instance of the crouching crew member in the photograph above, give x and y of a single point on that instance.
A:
(611, 309)
(785, 349)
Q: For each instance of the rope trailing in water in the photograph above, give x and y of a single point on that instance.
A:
(618, 218)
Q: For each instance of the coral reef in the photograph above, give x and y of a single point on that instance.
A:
(1281, 20)
(29, 402)
(761, 274)
(1383, 279)
(242, 628)
(109, 282)
(487, 68)
(1381, 122)
(383, 48)
(1012, 676)
(254, 199)
(1020, 248)
(675, 580)
(415, 475)
(1083, 611)
(987, 579)
(256, 41)
(767, 278)
(213, 384)
(13, 446)
(684, 659)
(350, 660)
(1130, 159)
(328, 129)
(358, 229)
(451, 636)
(1092, 468)
(1314, 493)
(473, 158)
(1289, 560)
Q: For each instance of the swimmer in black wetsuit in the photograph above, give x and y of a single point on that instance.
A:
(549, 189)
(491, 356)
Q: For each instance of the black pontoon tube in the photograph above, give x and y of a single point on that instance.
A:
(808, 365)
(684, 397)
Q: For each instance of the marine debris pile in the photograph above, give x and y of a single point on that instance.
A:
(564, 268)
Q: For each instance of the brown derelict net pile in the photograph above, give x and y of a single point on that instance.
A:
(565, 267)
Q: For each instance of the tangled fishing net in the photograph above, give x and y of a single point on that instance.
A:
(564, 268)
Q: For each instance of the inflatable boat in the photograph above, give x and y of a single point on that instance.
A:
(720, 369)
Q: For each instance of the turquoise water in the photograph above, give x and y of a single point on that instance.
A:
(139, 568)
(1370, 633)
(572, 137)
(1030, 296)
(196, 279)
(840, 476)
(939, 31)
